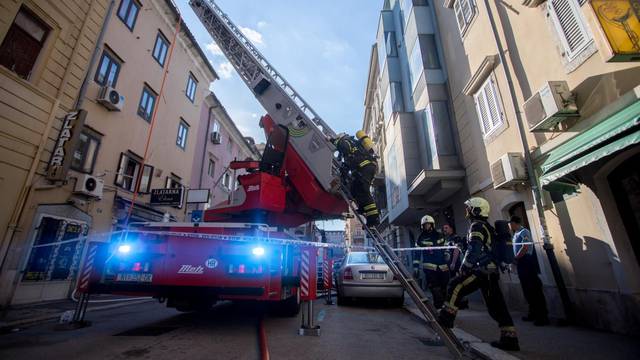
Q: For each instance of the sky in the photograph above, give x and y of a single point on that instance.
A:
(322, 48)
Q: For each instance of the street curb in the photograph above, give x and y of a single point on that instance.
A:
(7, 327)
(478, 347)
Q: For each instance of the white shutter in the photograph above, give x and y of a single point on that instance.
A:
(569, 23)
(457, 7)
(467, 10)
(493, 103)
(481, 108)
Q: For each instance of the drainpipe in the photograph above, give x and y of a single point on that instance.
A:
(535, 186)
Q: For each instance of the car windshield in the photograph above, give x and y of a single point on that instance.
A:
(365, 258)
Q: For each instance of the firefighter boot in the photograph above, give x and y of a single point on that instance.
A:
(508, 339)
(446, 316)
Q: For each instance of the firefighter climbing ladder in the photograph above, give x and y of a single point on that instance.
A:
(410, 284)
(308, 135)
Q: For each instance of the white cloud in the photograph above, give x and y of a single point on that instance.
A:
(214, 49)
(253, 35)
(225, 70)
(333, 49)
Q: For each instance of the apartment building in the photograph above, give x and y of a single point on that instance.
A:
(145, 62)
(220, 142)
(408, 114)
(354, 235)
(546, 93)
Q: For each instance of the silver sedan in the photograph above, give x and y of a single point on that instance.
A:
(365, 275)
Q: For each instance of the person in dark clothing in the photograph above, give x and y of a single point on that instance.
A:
(434, 263)
(528, 271)
(360, 166)
(455, 262)
(480, 272)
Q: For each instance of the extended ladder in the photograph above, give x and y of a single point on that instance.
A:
(308, 133)
(410, 284)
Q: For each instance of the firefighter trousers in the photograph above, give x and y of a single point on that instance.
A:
(361, 192)
(489, 284)
(437, 281)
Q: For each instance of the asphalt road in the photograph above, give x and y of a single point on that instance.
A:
(228, 331)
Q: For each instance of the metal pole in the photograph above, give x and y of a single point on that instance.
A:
(308, 328)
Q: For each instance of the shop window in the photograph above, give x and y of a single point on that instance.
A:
(108, 69)
(128, 12)
(84, 157)
(160, 49)
(23, 43)
(56, 251)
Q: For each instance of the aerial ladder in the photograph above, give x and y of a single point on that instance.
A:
(309, 136)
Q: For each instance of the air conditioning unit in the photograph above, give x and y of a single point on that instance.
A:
(111, 99)
(508, 171)
(89, 186)
(549, 106)
(215, 137)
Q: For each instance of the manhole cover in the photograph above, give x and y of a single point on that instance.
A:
(147, 331)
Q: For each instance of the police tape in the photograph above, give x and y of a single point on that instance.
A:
(429, 248)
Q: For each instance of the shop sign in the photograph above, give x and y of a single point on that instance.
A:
(171, 197)
(620, 22)
(62, 154)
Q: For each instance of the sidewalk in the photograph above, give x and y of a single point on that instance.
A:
(548, 342)
(29, 314)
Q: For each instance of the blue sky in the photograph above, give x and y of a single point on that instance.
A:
(321, 47)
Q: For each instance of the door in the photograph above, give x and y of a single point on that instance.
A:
(625, 186)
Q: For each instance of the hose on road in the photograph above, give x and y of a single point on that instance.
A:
(262, 339)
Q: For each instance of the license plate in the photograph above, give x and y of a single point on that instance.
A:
(377, 276)
(134, 277)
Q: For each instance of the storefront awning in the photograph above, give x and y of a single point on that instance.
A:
(609, 136)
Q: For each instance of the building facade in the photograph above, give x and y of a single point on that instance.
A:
(220, 142)
(354, 235)
(544, 115)
(146, 63)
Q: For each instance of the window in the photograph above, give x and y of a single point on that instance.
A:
(128, 12)
(183, 131)
(570, 25)
(160, 49)
(129, 170)
(415, 64)
(56, 251)
(430, 53)
(465, 10)
(23, 43)
(173, 182)
(488, 107)
(390, 43)
(108, 69)
(229, 145)
(84, 156)
(192, 83)
(212, 168)
(406, 9)
(147, 102)
(226, 180)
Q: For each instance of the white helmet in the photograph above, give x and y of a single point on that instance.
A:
(478, 206)
(427, 220)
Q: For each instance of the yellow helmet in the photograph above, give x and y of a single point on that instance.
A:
(427, 219)
(478, 206)
(360, 134)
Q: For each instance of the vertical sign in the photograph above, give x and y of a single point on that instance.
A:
(63, 150)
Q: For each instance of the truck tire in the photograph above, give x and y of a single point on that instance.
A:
(290, 307)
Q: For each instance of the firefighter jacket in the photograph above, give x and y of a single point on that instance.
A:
(479, 255)
(436, 259)
(354, 154)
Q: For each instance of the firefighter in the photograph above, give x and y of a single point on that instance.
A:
(433, 262)
(360, 166)
(479, 271)
(455, 262)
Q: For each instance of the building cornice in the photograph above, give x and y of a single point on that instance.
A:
(480, 75)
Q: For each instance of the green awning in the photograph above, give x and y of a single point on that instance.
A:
(605, 138)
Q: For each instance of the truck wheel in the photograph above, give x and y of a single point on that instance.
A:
(290, 307)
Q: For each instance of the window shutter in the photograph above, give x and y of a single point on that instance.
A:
(121, 165)
(493, 104)
(481, 107)
(467, 10)
(457, 7)
(570, 25)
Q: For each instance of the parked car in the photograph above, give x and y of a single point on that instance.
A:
(365, 275)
